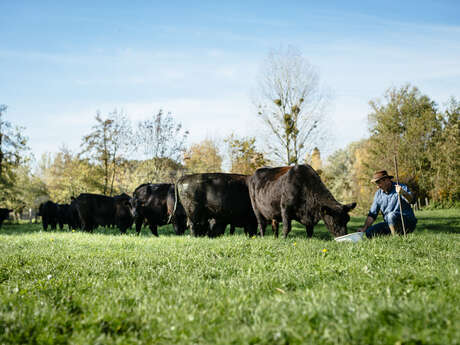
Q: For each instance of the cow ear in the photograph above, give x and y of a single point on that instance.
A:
(349, 207)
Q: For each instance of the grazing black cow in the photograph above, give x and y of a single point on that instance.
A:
(99, 210)
(156, 203)
(73, 216)
(63, 213)
(213, 200)
(4, 214)
(49, 212)
(295, 193)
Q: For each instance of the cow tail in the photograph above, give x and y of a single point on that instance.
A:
(175, 203)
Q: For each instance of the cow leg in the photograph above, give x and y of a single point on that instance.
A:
(275, 227)
(217, 229)
(153, 229)
(139, 226)
(196, 229)
(123, 229)
(286, 222)
(262, 226)
(192, 228)
(89, 226)
(45, 225)
(232, 229)
(202, 228)
(261, 223)
(250, 230)
(309, 229)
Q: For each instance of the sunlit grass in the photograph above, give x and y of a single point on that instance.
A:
(104, 288)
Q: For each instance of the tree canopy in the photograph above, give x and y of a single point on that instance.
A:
(203, 157)
(244, 156)
(13, 148)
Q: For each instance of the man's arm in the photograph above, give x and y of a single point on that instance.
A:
(367, 224)
(406, 195)
(373, 212)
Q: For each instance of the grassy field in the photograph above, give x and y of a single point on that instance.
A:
(77, 288)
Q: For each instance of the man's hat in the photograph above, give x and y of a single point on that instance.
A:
(378, 175)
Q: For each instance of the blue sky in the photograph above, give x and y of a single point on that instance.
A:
(61, 62)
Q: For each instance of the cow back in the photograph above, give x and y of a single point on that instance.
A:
(150, 201)
(219, 196)
(96, 209)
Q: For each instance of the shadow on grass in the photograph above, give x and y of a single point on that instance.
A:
(450, 225)
(427, 222)
(298, 231)
(27, 228)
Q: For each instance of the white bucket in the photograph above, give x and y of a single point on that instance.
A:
(353, 237)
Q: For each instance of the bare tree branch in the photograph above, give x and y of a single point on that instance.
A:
(291, 104)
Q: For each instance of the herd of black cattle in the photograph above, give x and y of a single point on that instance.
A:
(208, 203)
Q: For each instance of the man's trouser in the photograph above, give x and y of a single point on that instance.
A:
(394, 218)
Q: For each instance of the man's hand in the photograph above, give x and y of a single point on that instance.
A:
(403, 193)
(363, 229)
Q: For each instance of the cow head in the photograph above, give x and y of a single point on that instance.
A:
(133, 204)
(336, 218)
(138, 204)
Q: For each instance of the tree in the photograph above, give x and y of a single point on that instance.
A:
(291, 104)
(106, 146)
(244, 157)
(66, 174)
(162, 142)
(408, 125)
(444, 157)
(203, 158)
(29, 190)
(13, 147)
(346, 175)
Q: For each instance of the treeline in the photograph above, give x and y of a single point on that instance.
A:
(423, 136)
(105, 163)
(117, 156)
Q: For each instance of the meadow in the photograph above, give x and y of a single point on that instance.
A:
(66, 287)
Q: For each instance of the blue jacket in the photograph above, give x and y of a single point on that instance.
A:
(388, 203)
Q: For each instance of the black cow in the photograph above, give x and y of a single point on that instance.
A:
(4, 214)
(49, 212)
(296, 193)
(156, 203)
(63, 215)
(214, 200)
(99, 210)
(72, 215)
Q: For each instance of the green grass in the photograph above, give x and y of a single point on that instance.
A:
(104, 288)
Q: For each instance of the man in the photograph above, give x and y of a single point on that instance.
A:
(386, 201)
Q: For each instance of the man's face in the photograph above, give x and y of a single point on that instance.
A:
(384, 184)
